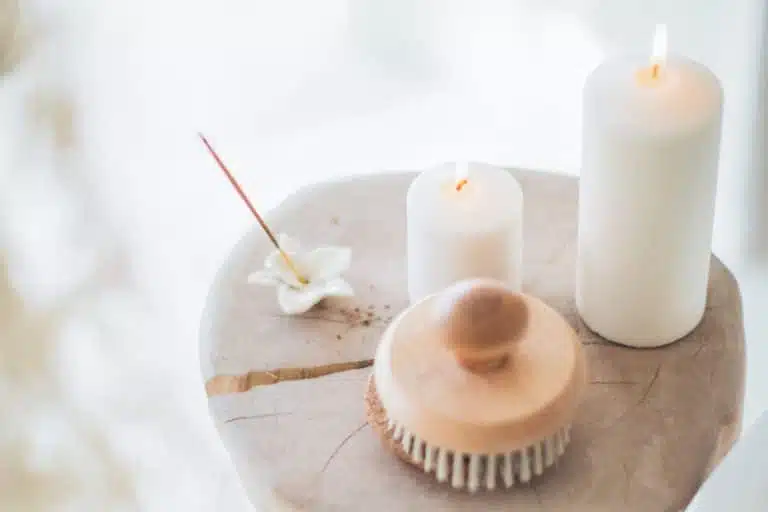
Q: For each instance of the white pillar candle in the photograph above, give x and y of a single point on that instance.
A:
(647, 197)
(463, 222)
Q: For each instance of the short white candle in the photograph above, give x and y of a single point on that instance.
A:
(647, 197)
(463, 222)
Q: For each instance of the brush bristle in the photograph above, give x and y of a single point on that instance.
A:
(473, 471)
(465, 471)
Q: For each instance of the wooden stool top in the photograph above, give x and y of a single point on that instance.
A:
(286, 393)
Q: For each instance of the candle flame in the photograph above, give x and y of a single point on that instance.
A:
(659, 53)
(462, 175)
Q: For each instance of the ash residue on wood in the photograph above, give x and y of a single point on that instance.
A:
(352, 317)
(361, 317)
(356, 317)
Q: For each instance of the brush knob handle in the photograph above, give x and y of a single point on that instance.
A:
(480, 321)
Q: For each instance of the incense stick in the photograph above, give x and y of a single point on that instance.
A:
(250, 206)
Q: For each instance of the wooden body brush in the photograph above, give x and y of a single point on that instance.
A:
(477, 385)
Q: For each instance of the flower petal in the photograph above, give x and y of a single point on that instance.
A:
(326, 263)
(263, 277)
(276, 264)
(336, 288)
(294, 302)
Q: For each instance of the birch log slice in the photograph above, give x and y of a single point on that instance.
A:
(286, 393)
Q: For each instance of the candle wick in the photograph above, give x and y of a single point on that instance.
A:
(460, 184)
(241, 193)
(655, 68)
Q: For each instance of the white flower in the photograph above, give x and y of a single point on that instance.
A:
(321, 267)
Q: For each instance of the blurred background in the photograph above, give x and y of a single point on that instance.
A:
(304, 91)
(300, 91)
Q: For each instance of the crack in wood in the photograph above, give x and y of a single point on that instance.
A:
(257, 416)
(225, 384)
(614, 382)
(320, 318)
(650, 385)
(341, 445)
(640, 402)
(598, 343)
(627, 481)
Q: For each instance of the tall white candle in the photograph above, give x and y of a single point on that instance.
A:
(463, 222)
(647, 196)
